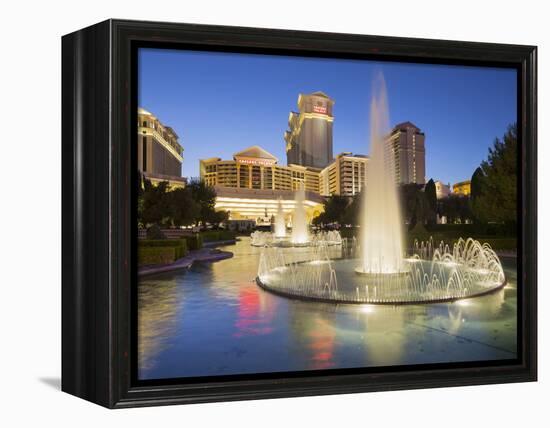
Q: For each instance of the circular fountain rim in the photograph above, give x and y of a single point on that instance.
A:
(296, 296)
(361, 272)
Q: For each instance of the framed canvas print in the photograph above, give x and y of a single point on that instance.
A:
(253, 213)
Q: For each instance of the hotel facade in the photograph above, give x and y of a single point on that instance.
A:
(309, 138)
(407, 154)
(463, 188)
(250, 185)
(159, 153)
(346, 176)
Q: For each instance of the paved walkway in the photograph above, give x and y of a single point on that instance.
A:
(202, 255)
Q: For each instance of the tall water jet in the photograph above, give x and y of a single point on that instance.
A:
(280, 226)
(299, 223)
(381, 221)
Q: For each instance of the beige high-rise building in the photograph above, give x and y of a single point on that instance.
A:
(256, 168)
(407, 155)
(309, 138)
(159, 154)
(249, 185)
(346, 176)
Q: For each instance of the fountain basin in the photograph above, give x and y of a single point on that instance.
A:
(425, 281)
(360, 271)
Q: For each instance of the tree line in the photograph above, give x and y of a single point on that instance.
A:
(192, 205)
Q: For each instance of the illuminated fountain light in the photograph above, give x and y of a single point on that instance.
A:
(300, 236)
(468, 269)
(381, 221)
(300, 233)
(312, 275)
(280, 225)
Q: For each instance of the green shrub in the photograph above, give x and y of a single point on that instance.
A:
(194, 242)
(161, 251)
(159, 242)
(154, 232)
(156, 255)
(181, 249)
(452, 228)
(496, 234)
(473, 229)
(498, 244)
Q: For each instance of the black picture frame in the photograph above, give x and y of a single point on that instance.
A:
(98, 232)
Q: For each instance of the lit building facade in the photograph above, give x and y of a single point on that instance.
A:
(463, 188)
(309, 138)
(407, 154)
(249, 185)
(257, 169)
(442, 190)
(261, 205)
(159, 154)
(346, 176)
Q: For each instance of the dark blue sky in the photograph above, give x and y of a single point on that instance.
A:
(220, 103)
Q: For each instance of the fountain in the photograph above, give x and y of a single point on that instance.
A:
(300, 235)
(382, 274)
(469, 269)
(381, 224)
(280, 225)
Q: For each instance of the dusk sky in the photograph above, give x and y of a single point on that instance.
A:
(221, 103)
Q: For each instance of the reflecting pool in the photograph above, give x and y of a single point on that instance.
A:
(213, 319)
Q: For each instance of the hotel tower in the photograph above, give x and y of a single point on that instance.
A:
(407, 154)
(309, 138)
(159, 153)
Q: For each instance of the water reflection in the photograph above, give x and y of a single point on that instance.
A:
(254, 313)
(213, 319)
(159, 301)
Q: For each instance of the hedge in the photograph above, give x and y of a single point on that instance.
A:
(500, 243)
(194, 242)
(160, 242)
(471, 229)
(217, 235)
(161, 251)
(156, 255)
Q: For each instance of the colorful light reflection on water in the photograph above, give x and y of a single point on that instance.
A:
(214, 320)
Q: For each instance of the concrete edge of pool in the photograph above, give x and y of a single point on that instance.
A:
(387, 303)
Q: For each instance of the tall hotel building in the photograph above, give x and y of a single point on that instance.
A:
(250, 185)
(160, 156)
(309, 138)
(346, 176)
(407, 154)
